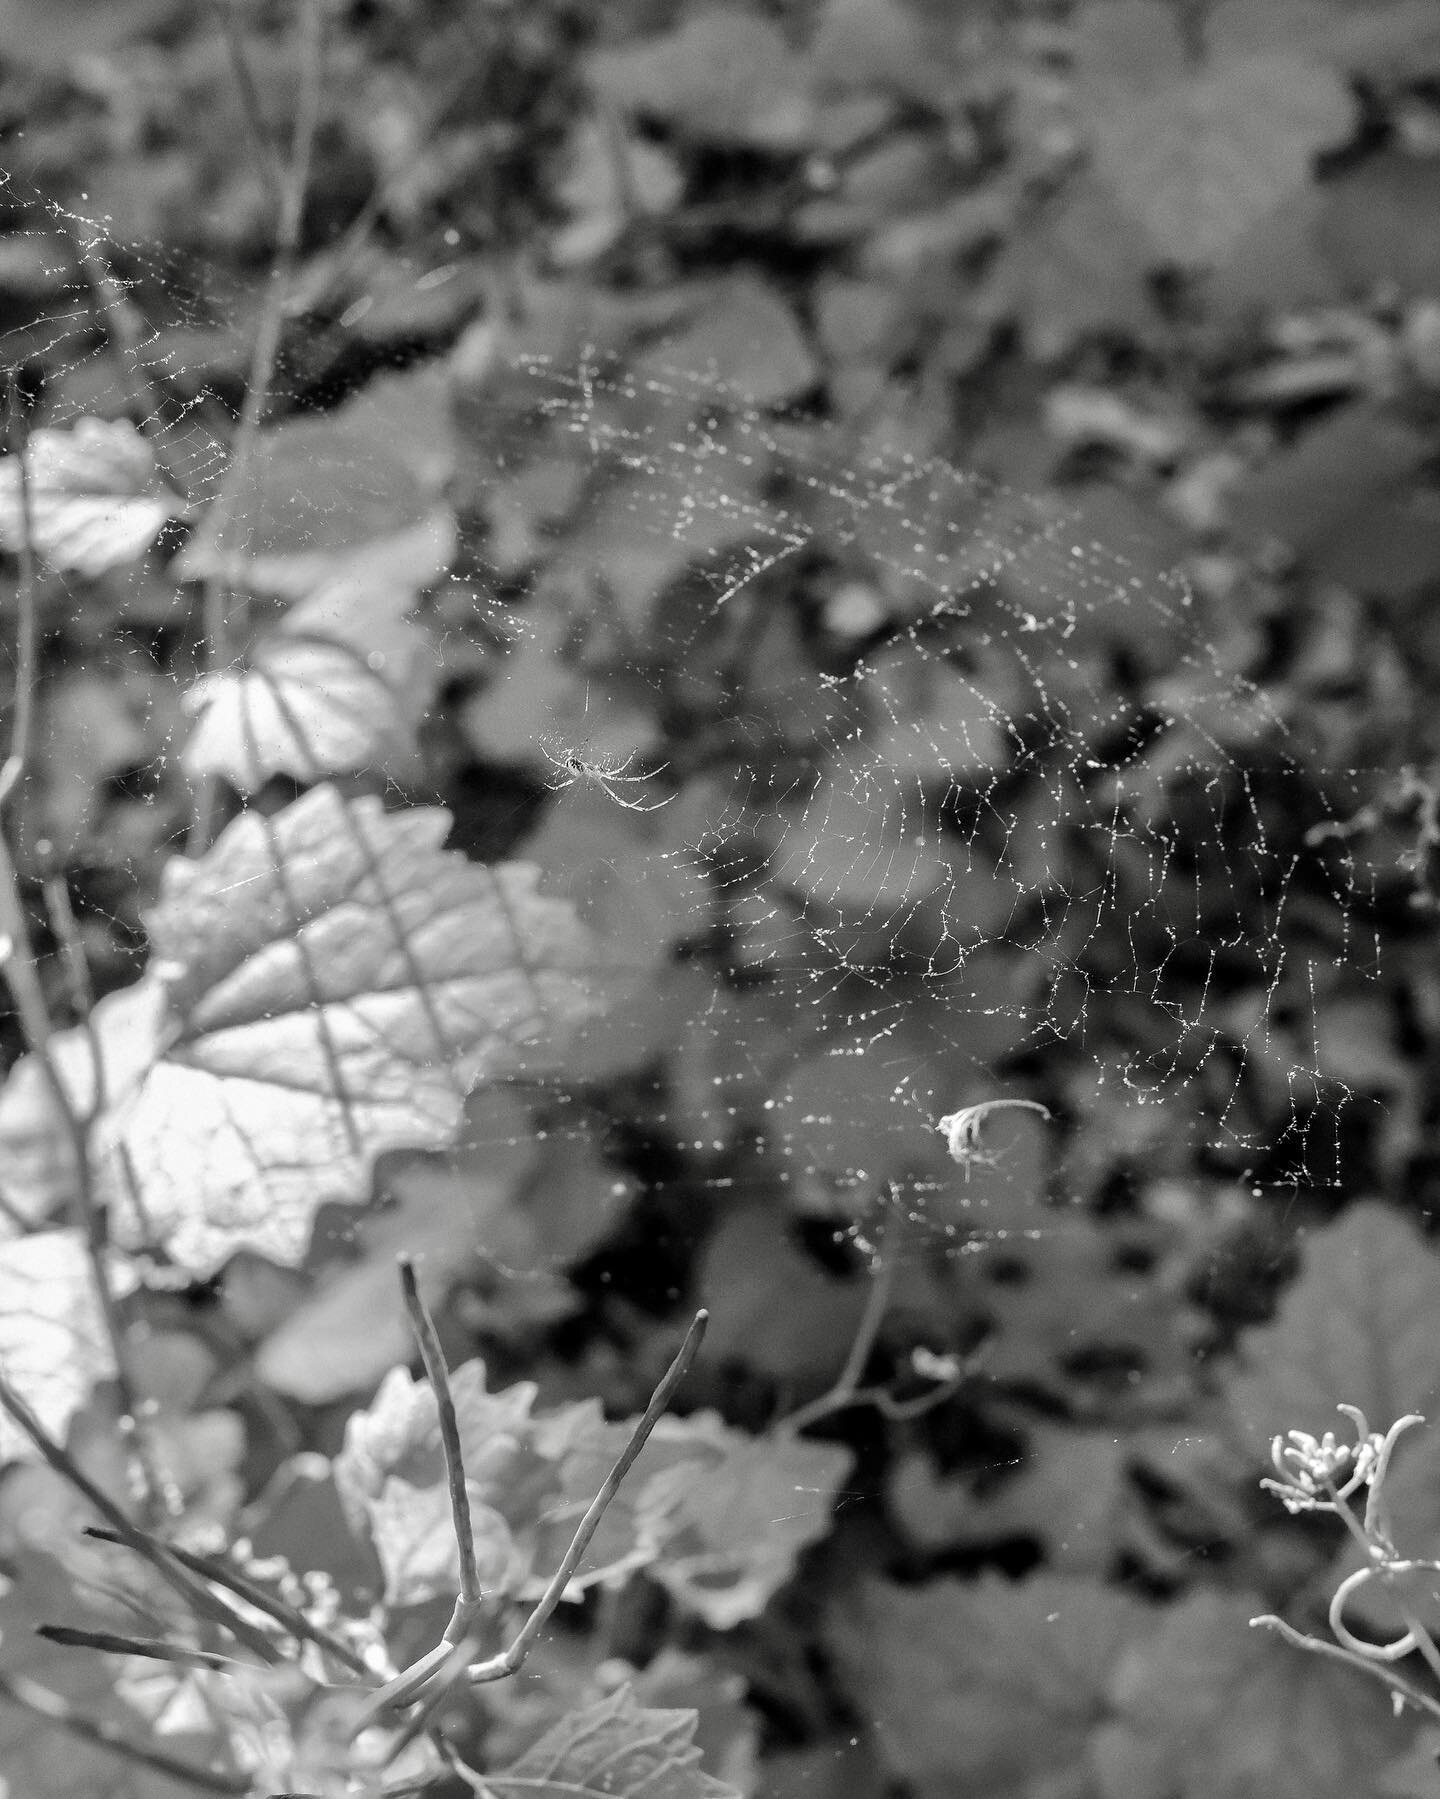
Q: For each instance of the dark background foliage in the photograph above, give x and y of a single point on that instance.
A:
(1175, 265)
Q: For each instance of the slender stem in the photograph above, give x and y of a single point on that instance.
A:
(177, 1577)
(846, 1390)
(66, 932)
(271, 165)
(221, 1574)
(153, 1649)
(439, 1376)
(23, 978)
(40, 1702)
(221, 580)
(1381, 1671)
(26, 634)
(499, 1666)
(125, 328)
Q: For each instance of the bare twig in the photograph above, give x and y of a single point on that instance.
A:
(109, 1642)
(41, 1702)
(431, 1677)
(1381, 1671)
(847, 1391)
(23, 978)
(271, 164)
(194, 1592)
(221, 1574)
(510, 1659)
(291, 205)
(439, 1377)
(17, 443)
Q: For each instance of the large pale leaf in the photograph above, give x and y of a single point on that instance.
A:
(325, 984)
(616, 1749)
(53, 1341)
(95, 500)
(1356, 1328)
(338, 687)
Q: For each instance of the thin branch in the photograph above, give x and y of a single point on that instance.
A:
(439, 1376)
(499, 1666)
(40, 1702)
(66, 932)
(23, 978)
(288, 1617)
(1381, 1671)
(271, 165)
(17, 443)
(157, 1554)
(152, 1648)
(125, 328)
(444, 1665)
(846, 1390)
(290, 212)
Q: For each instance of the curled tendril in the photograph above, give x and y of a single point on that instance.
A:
(961, 1130)
(1317, 1473)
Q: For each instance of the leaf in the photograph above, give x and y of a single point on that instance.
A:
(994, 1687)
(1379, 224)
(1208, 1708)
(723, 75)
(744, 336)
(727, 1524)
(1070, 1494)
(504, 1215)
(354, 490)
(391, 1477)
(1351, 498)
(324, 985)
(40, 1757)
(1356, 1327)
(1199, 158)
(615, 1749)
(339, 687)
(613, 178)
(54, 1346)
(96, 501)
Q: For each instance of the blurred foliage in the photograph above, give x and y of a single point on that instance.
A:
(1173, 261)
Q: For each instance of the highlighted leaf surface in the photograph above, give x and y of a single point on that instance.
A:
(617, 1748)
(325, 984)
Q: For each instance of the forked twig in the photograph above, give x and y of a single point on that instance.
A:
(192, 1590)
(219, 1573)
(448, 1664)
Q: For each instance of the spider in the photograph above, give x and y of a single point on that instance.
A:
(570, 766)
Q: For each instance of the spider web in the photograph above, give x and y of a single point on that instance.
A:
(888, 790)
(978, 804)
